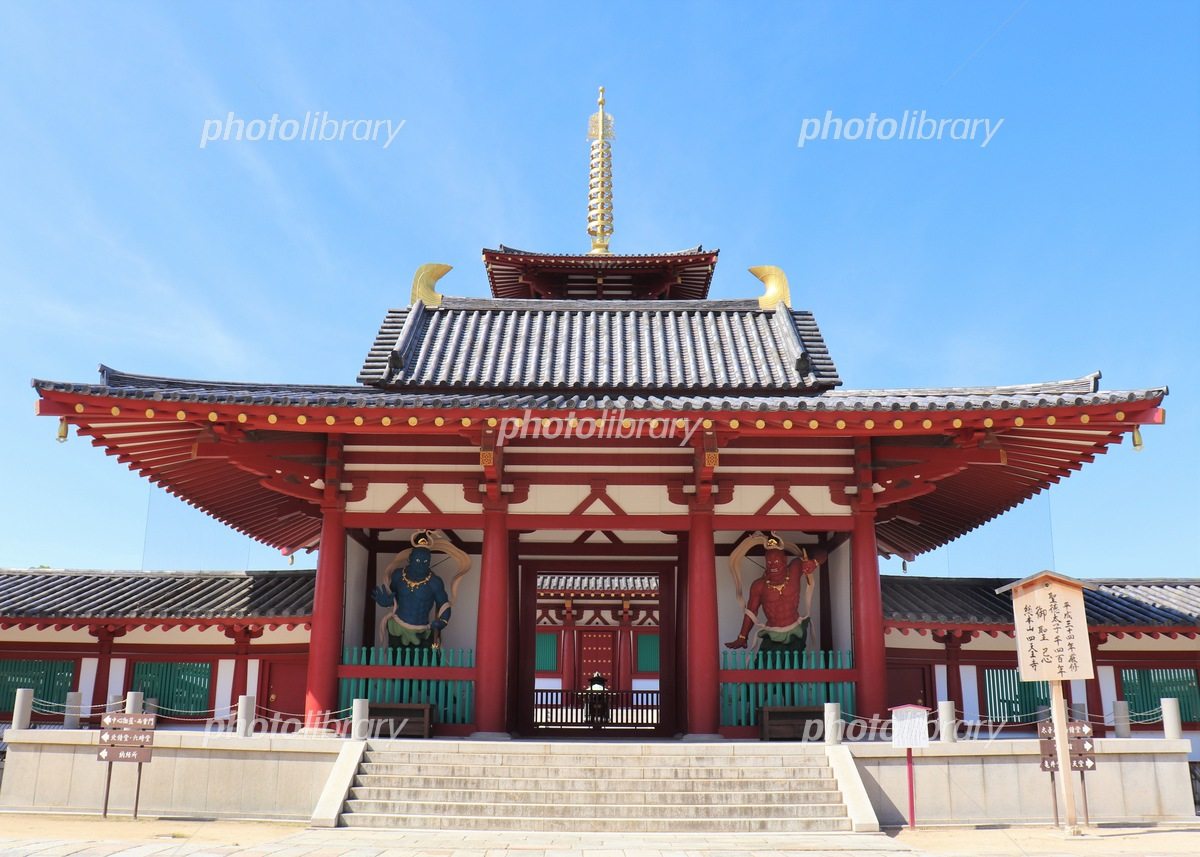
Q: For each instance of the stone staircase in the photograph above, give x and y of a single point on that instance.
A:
(578, 787)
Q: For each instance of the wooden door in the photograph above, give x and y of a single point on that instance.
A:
(283, 687)
(910, 685)
(597, 653)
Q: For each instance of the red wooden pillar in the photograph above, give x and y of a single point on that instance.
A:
(241, 636)
(569, 668)
(104, 638)
(869, 653)
(491, 636)
(703, 691)
(953, 641)
(625, 650)
(325, 639)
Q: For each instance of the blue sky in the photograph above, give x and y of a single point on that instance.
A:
(1068, 244)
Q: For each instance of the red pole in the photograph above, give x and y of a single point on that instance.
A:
(703, 700)
(912, 802)
(325, 640)
(868, 618)
(570, 669)
(491, 635)
(625, 653)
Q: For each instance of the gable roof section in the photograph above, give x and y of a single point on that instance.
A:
(933, 601)
(473, 345)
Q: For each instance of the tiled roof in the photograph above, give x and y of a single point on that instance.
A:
(681, 274)
(618, 347)
(597, 583)
(599, 259)
(63, 594)
(973, 600)
(1079, 392)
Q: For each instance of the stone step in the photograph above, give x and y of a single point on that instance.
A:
(451, 769)
(597, 825)
(513, 796)
(559, 810)
(458, 784)
(597, 760)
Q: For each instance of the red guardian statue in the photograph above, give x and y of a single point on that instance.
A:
(784, 594)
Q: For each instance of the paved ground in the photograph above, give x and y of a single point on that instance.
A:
(82, 836)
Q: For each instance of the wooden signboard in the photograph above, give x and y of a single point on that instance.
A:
(1051, 629)
(910, 728)
(126, 738)
(1052, 646)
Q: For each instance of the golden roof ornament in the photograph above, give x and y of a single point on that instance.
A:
(600, 208)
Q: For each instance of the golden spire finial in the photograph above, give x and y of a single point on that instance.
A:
(600, 209)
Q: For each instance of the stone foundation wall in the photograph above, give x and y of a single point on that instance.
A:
(191, 774)
(979, 782)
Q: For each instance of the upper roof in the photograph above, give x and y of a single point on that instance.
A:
(677, 275)
(69, 594)
(470, 346)
(1146, 603)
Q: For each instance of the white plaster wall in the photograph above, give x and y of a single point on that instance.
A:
(33, 635)
(552, 499)
(895, 638)
(87, 679)
(839, 590)
(644, 684)
(223, 692)
(969, 675)
(358, 581)
(1107, 676)
(251, 687)
(547, 683)
(940, 687)
(173, 636)
(116, 678)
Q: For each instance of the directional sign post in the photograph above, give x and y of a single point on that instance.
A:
(1051, 630)
(126, 738)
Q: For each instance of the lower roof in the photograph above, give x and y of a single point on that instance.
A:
(1142, 603)
(27, 596)
(57, 594)
(1041, 432)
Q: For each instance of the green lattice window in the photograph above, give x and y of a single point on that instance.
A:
(546, 653)
(50, 680)
(647, 653)
(1145, 689)
(180, 688)
(1010, 700)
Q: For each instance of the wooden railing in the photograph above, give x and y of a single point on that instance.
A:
(442, 678)
(599, 710)
(753, 680)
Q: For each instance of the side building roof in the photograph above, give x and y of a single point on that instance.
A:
(1132, 603)
(49, 596)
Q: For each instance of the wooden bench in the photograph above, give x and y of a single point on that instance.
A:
(791, 722)
(400, 719)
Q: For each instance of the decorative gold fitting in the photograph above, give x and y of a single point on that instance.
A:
(62, 430)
